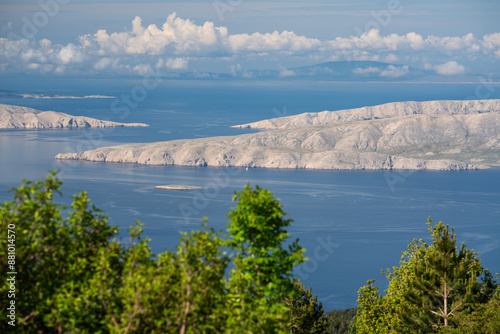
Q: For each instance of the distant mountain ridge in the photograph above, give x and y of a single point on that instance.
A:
(339, 70)
(356, 69)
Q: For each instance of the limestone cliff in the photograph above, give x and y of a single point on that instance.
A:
(436, 135)
(16, 117)
(388, 110)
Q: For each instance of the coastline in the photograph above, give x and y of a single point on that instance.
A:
(177, 187)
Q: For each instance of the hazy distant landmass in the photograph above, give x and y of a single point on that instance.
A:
(16, 117)
(342, 71)
(42, 96)
(433, 135)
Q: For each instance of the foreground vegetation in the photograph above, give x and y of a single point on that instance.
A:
(437, 288)
(74, 276)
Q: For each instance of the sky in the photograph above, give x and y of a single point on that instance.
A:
(130, 37)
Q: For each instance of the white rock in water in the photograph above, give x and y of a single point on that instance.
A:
(15, 117)
(177, 187)
(460, 135)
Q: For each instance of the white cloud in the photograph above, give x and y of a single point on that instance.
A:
(391, 58)
(287, 73)
(176, 63)
(143, 69)
(491, 41)
(286, 40)
(373, 40)
(103, 63)
(176, 35)
(59, 70)
(362, 55)
(449, 68)
(235, 69)
(33, 66)
(416, 41)
(394, 71)
(390, 71)
(169, 46)
(368, 70)
(70, 53)
(172, 63)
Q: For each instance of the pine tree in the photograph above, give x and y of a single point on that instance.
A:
(434, 287)
(305, 311)
(445, 281)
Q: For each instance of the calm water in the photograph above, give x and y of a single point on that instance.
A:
(352, 223)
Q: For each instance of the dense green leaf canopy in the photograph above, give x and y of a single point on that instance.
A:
(73, 276)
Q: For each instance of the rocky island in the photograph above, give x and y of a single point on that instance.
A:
(177, 187)
(16, 117)
(433, 135)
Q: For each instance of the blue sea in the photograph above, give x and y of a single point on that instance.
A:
(352, 223)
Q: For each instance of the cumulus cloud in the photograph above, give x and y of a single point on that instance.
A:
(142, 69)
(373, 40)
(391, 58)
(172, 63)
(182, 36)
(368, 70)
(287, 73)
(394, 71)
(103, 63)
(70, 53)
(491, 41)
(176, 35)
(178, 41)
(449, 68)
(286, 40)
(176, 63)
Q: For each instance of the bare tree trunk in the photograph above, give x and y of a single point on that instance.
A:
(186, 310)
(445, 305)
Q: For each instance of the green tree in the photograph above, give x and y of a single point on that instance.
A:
(176, 292)
(434, 286)
(54, 253)
(485, 319)
(203, 291)
(73, 276)
(341, 321)
(262, 275)
(377, 314)
(445, 281)
(305, 311)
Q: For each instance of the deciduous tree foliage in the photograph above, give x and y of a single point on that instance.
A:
(262, 274)
(434, 288)
(73, 276)
(55, 254)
